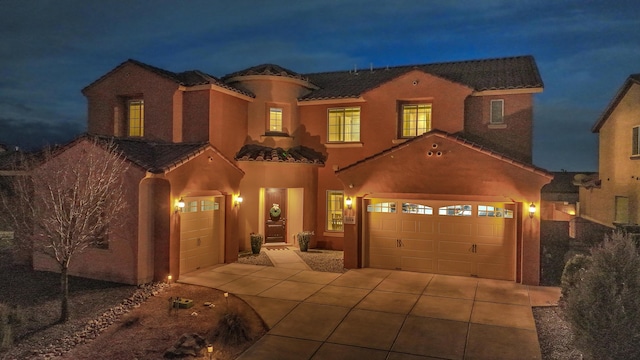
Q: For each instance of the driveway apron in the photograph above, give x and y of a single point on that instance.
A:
(382, 314)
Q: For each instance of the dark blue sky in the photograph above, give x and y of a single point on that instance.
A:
(50, 50)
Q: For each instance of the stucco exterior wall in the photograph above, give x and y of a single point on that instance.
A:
(459, 173)
(619, 171)
(227, 123)
(513, 138)
(107, 101)
(118, 263)
(259, 175)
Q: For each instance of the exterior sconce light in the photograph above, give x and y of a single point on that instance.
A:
(180, 205)
(349, 202)
(532, 210)
(238, 201)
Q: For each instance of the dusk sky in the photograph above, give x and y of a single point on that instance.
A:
(50, 50)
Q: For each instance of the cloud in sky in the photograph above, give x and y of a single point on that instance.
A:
(52, 49)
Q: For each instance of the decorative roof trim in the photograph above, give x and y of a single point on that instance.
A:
(336, 101)
(459, 140)
(195, 154)
(532, 90)
(221, 89)
(301, 82)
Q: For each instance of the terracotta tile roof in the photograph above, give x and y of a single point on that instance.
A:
(564, 182)
(265, 69)
(156, 157)
(460, 140)
(298, 154)
(185, 78)
(490, 74)
(631, 80)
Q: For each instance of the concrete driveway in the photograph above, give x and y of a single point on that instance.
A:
(382, 314)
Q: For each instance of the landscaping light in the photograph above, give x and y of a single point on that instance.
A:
(532, 210)
(169, 277)
(349, 202)
(210, 350)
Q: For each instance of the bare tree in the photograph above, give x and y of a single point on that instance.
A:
(68, 202)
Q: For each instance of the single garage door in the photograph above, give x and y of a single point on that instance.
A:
(201, 233)
(445, 237)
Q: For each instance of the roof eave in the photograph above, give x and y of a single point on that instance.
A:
(630, 81)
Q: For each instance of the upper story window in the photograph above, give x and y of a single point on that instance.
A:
(497, 112)
(415, 119)
(275, 119)
(344, 125)
(135, 117)
(635, 141)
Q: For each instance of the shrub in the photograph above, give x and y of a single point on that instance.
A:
(232, 329)
(303, 240)
(573, 272)
(10, 317)
(256, 242)
(603, 306)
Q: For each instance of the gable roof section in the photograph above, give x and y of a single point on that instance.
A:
(459, 140)
(298, 154)
(490, 74)
(185, 78)
(266, 69)
(631, 80)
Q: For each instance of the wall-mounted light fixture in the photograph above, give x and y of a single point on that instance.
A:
(180, 205)
(349, 202)
(532, 210)
(238, 200)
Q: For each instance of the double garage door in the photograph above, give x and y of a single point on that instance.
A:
(445, 237)
(201, 233)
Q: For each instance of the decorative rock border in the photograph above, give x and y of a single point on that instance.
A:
(94, 327)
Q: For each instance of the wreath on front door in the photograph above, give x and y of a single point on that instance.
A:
(275, 211)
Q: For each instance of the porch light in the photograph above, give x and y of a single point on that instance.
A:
(532, 210)
(349, 202)
(238, 201)
(180, 205)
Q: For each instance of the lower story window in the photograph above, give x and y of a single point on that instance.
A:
(335, 199)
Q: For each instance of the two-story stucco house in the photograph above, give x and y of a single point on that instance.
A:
(612, 197)
(421, 168)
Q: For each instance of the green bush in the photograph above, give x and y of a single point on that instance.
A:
(603, 306)
(573, 272)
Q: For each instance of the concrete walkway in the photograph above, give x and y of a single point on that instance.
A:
(382, 314)
(285, 257)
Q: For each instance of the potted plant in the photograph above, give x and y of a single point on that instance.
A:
(303, 240)
(256, 242)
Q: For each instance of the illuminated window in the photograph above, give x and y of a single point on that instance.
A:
(208, 205)
(344, 125)
(416, 119)
(275, 119)
(386, 207)
(635, 141)
(191, 206)
(335, 199)
(135, 117)
(455, 210)
(497, 112)
(409, 208)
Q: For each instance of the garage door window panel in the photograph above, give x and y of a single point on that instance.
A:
(455, 210)
(410, 208)
(386, 207)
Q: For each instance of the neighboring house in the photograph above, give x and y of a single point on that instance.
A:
(612, 197)
(560, 197)
(421, 168)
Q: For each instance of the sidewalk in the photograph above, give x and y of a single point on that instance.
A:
(285, 258)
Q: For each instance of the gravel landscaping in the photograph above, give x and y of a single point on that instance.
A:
(98, 305)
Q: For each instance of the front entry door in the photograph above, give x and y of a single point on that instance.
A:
(275, 222)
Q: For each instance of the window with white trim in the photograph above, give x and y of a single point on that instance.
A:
(635, 141)
(497, 112)
(415, 120)
(335, 200)
(344, 124)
